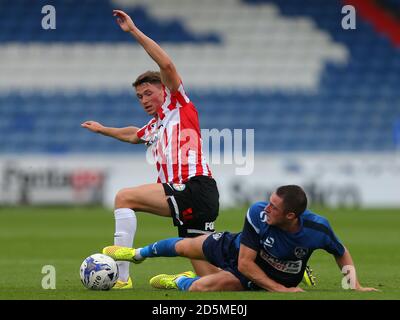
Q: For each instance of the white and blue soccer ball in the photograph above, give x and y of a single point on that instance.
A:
(99, 272)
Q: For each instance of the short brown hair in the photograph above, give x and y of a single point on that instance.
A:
(294, 199)
(153, 77)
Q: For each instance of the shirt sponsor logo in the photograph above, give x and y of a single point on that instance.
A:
(287, 266)
(269, 242)
(263, 216)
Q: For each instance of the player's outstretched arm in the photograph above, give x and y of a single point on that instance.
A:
(169, 74)
(346, 265)
(126, 134)
(252, 271)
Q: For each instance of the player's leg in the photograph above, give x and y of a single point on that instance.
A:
(203, 268)
(192, 248)
(168, 200)
(148, 198)
(172, 247)
(194, 206)
(216, 248)
(219, 281)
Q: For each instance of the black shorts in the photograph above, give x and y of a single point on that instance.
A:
(194, 205)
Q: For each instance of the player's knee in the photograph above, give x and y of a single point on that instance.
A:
(186, 248)
(125, 199)
(182, 247)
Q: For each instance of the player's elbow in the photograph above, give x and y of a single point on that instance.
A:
(243, 266)
(134, 139)
(167, 66)
(168, 70)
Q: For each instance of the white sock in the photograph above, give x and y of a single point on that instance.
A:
(125, 229)
(138, 256)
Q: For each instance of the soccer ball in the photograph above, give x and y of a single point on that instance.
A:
(99, 272)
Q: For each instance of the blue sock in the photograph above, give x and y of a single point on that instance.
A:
(162, 248)
(184, 283)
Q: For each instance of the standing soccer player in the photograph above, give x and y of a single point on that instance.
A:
(185, 189)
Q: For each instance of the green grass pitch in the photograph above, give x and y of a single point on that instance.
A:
(62, 237)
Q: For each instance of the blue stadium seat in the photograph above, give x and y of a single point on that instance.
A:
(355, 107)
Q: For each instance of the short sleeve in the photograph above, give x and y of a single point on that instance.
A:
(180, 96)
(252, 225)
(145, 133)
(332, 243)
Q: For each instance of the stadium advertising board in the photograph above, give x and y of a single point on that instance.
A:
(330, 180)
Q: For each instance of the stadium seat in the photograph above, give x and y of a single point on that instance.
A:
(354, 106)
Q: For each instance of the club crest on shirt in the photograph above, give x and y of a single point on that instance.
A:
(178, 186)
(217, 235)
(300, 252)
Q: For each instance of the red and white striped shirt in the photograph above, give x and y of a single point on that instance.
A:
(175, 138)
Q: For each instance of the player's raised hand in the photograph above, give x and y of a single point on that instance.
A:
(124, 21)
(93, 126)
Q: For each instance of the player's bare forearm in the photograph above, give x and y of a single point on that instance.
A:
(345, 260)
(248, 267)
(152, 48)
(126, 134)
(253, 272)
(169, 75)
(346, 266)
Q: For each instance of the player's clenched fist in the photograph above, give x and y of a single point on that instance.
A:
(93, 126)
(124, 21)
